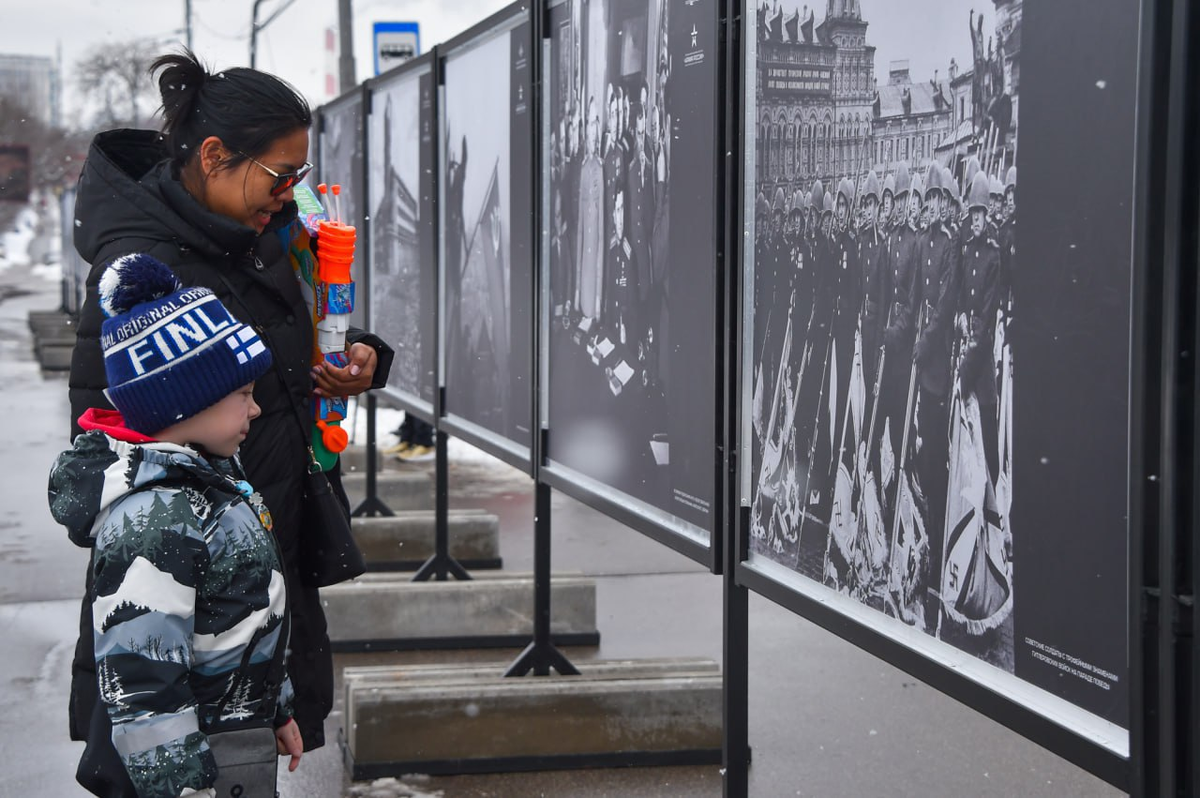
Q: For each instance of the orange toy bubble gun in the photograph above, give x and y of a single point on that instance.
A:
(333, 301)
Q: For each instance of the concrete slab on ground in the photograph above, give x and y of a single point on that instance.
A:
(471, 718)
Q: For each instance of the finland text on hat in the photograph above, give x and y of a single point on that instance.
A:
(169, 351)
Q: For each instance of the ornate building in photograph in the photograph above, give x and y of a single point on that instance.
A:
(910, 120)
(823, 113)
(815, 89)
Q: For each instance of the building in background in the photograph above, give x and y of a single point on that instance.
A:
(815, 89)
(910, 120)
(34, 83)
(824, 114)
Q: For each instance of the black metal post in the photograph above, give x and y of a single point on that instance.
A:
(734, 519)
(372, 505)
(735, 665)
(441, 564)
(541, 655)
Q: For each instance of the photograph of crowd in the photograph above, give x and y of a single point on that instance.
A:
(885, 234)
(623, 356)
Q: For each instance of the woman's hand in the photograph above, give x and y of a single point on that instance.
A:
(287, 741)
(350, 380)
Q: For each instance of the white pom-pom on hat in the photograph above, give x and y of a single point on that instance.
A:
(133, 279)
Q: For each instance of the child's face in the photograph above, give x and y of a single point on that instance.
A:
(219, 429)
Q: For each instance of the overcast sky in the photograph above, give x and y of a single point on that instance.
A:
(926, 32)
(293, 46)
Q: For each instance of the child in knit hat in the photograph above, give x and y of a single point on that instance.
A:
(187, 592)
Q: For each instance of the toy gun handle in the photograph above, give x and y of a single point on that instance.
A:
(333, 304)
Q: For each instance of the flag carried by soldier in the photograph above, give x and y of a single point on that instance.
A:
(1004, 427)
(976, 588)
(843, 525)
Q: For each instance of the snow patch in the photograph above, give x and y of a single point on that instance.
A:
(14, 244)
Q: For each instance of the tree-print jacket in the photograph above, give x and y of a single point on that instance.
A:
(188, 597)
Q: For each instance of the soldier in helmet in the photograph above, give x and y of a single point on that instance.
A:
(954, 215)
(995, 205)
(964, 216)
(780, 250)
(843, 275)
(778, 212)
(900, 334)
(800, 267)
(937, 294)
(887, 203)
(947, 195)
(816, 204)
(978, 300)
(872, 259)
(773, 273)
(899, 216)
(827, 207)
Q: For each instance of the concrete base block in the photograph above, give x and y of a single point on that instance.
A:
(55, 356)
(404, 541)
(41, 321)
(471, 719)
(387, 612)
(399, 490)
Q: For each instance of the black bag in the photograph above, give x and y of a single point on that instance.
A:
(328, 553)
(247, 762)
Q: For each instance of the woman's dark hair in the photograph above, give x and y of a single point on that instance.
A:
(245, 108)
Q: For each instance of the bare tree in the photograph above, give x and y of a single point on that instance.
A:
(55, 155)
(115, 80)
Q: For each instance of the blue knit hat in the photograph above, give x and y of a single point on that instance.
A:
(169, 351)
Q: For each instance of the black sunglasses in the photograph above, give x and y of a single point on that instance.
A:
(284, 180)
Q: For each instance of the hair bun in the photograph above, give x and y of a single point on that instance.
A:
(131, 280)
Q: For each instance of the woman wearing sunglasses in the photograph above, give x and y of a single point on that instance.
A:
(211, 196)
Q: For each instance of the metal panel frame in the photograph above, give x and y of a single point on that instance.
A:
(1058, 731)
(517, 455)
(660, 525)
(394, 397)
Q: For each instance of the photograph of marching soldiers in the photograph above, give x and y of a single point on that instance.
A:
(401, 302)
(476, 229)
(612, 83)
(884, 243)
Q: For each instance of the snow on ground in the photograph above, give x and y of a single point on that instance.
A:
(387, 421)
(33, 241)
(15, 243)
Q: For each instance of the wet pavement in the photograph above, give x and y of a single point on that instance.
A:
(825, 718)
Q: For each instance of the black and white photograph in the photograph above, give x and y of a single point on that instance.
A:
(487, 172)
(886, 368)
(341, 163)
(403, 132)
(631, 107)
